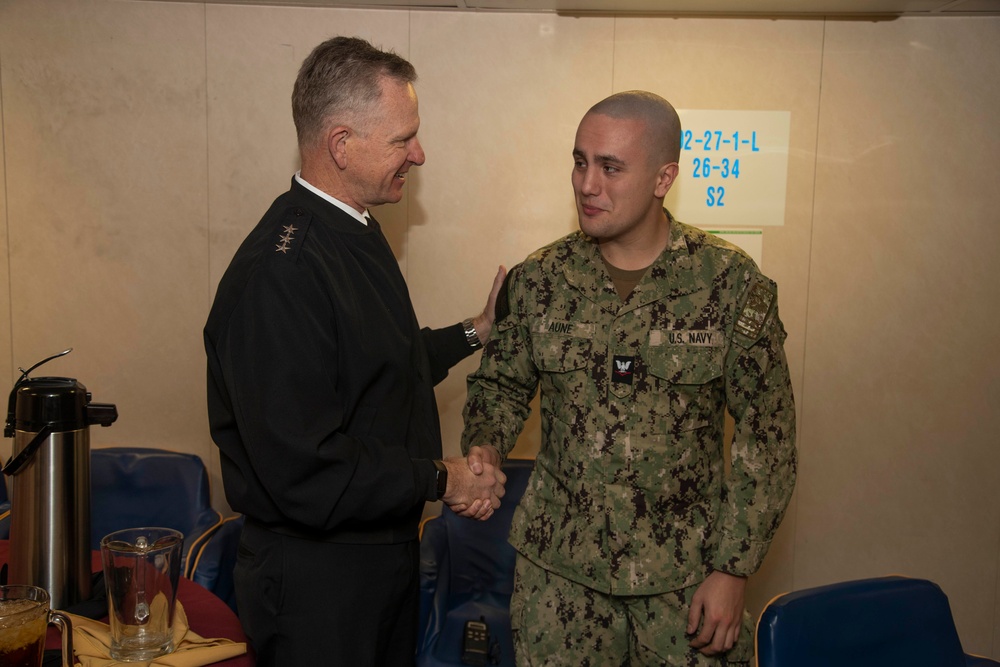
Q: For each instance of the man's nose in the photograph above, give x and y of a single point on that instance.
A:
(416, 155)
(590, 183)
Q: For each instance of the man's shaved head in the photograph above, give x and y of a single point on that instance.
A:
(663, 127)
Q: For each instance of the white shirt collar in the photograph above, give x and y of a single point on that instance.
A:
(360, 217)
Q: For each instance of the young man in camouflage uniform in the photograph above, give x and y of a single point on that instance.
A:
(634, 540)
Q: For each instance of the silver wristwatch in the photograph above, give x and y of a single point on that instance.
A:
(470, 334)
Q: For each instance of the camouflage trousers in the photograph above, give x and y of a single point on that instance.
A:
(558, 622)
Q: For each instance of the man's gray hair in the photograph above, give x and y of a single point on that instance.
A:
(340, 81)
(663, 126)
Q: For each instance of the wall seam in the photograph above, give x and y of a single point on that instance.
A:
(6, 216)
(614, 47)
(805, 326)
(208, 168)
(996, 604)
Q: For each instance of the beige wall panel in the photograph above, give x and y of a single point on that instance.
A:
(749, 66)
(902, 465)
(500, 99)
(7, 376)
(254, 54)
(104, 107)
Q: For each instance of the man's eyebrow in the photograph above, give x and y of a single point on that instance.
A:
(407, 133)
(603, 159)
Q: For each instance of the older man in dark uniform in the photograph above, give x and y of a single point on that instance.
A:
(320, 384)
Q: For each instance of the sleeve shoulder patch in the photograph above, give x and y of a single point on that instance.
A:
(755, 310)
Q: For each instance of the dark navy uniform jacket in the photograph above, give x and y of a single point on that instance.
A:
(320, 381)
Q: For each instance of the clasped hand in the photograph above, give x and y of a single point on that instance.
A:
(475, 483)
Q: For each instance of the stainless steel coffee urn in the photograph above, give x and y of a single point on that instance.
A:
(48, 478)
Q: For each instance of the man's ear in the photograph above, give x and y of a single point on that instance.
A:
(336, 143)
(665, 178)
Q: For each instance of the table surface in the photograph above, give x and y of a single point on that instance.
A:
(207, 615)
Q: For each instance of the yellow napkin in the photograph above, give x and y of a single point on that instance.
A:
(92, 641)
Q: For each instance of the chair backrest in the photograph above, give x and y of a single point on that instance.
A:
(863, 623)
(135, 486)
(481, 558)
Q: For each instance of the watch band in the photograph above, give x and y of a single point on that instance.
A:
(441, 478)
(471, 335)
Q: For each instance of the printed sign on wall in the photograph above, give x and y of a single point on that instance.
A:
(733, 168)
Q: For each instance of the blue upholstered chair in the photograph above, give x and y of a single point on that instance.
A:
(135, 486)
(213, 563)
(467, 573)
(883, 622)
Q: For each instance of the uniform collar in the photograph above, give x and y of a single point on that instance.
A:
(670, 274)
(360, 217)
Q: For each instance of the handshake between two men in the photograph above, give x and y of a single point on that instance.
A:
(475, 483)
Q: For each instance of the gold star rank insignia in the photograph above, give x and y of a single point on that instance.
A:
(286, 238)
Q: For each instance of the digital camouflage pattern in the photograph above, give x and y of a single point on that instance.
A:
(559, 623)
(630, 495)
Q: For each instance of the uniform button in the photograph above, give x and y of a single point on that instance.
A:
(298, 212)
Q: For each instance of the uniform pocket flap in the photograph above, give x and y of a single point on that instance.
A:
(686, 365)
(560, 354)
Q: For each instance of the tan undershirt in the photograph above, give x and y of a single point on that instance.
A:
(625, 280)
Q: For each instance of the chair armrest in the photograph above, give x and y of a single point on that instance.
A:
(212, 564)
(206, 524)
(4, 519)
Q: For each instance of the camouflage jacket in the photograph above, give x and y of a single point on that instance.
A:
(631, 494)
